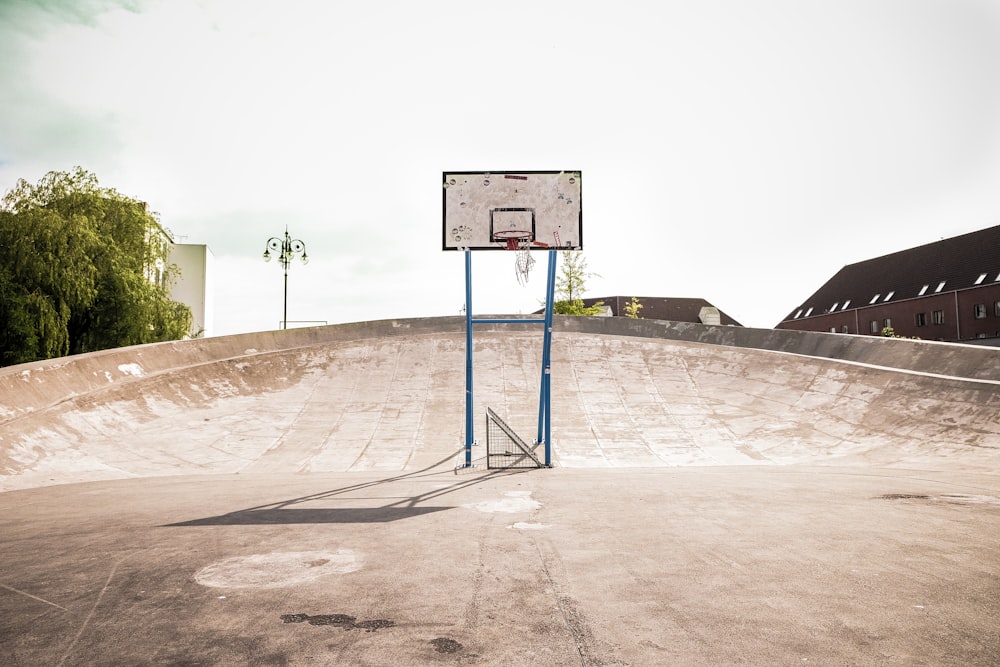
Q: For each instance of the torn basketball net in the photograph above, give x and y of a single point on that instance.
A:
(524, 261)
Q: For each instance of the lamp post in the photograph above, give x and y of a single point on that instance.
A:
(286, 248)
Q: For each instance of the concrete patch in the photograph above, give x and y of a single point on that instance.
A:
(522, 525)
(134, 370)
(277, 570)
(512, 502)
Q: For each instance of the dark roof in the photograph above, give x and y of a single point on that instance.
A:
(662, 308)
(958, 262)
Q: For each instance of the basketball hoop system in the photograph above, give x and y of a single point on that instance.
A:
(518, 211)
(520, 242)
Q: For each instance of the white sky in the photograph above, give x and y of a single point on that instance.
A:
(741, 151)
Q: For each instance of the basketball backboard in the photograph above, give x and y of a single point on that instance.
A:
(486, 210)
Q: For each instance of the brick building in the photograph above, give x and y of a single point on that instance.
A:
(948, 290)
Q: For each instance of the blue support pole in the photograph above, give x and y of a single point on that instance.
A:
(544, 393)
(469, 439)
(544, 398)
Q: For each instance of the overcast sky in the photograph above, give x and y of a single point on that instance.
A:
(741, 151)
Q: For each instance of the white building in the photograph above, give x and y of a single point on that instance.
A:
(194, 286)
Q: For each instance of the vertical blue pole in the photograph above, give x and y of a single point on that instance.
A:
(468, 359)
(544, 394)
(540, 437)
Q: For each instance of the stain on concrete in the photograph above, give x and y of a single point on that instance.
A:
(445, 645)
(345, 621)
(951, 498)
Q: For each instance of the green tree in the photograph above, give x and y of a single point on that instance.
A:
(82, 268)
(889, 332)
(571, 284)
(632, 309)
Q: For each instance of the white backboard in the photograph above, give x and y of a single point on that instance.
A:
(483, 208)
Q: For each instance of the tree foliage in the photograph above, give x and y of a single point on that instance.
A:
(889, 332)
(571, 283)
(82, 268)
(632, 309)
(577, 307)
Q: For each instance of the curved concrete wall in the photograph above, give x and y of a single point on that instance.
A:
(948, 359)
(389, 395)
(30, 387)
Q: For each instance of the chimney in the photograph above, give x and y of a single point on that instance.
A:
(709, 315)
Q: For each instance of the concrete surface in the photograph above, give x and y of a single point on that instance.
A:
(719, 497)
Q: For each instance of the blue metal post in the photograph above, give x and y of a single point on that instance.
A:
(544, 394)
(469, 439)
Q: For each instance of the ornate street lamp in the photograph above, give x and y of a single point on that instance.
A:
(286, 248)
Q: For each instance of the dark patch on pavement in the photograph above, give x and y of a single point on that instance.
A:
(344, 621)
(961, 499)
(445, 645)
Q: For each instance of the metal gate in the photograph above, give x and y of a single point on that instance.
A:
(505, 448)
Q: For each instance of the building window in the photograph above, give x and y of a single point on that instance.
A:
(887, 323)
(835, 306)
(874, 326)
(980, 311)
(996, 308)
(809, 312)
(833, 329)
(874, 299)
(798, 314)
(846, 304)
(923, 290)
(940, 286)
(938, 317)
(843, 329)
(980, 279)
(921, 319)
(888, 296)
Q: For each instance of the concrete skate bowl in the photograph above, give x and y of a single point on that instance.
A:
(389, 396)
